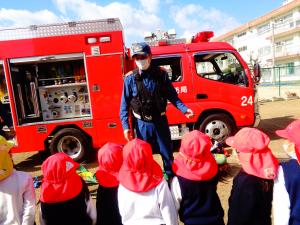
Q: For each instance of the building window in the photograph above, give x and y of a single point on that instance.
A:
(284, 42)
(283, 19)
(290, 68)
(263, 51)
(264, 28)
(241, 49)
(241, 34)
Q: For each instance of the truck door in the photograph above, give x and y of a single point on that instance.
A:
(222, 83)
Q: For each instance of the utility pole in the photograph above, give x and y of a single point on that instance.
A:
(273, 52)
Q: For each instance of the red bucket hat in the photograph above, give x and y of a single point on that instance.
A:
(195, 161)
(60, 182)
(139, 172)
(110, 160)
(292, 133)
(255, 156)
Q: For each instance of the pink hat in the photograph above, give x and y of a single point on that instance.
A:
(195, 161)
(139, 172)
(110, 160)
(292, 133)
(255, 156)
(60, 182)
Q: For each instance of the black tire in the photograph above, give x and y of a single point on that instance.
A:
(71, 141)
(218, 126)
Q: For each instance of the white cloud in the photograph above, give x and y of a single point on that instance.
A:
(150, 6)
(136, 16)
(193, 18)
(132, 18)
(19, 18)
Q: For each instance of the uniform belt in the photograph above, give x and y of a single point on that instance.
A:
(147, 118)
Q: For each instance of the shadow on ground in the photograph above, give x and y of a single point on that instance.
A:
(269, 126)
(30, 164)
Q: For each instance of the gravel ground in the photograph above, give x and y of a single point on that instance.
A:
(275, 115)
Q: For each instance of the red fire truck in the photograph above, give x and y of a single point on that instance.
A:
(64, 84)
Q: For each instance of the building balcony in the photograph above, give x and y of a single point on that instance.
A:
(286, 52)
(285, 29)
(283, 53)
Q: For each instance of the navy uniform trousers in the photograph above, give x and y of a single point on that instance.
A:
(157, 134)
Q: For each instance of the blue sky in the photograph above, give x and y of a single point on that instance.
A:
(137, 17)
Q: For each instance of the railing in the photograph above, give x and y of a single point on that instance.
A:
(286, 50)
(283, 81)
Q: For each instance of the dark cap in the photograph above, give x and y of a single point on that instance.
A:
(140, 49)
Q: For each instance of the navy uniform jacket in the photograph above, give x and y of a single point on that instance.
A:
(107, 206)
(250, 202)
(130, 90)
(200, 203)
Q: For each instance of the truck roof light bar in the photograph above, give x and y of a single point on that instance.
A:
(167, 42)
(204, 36)
(61, 29)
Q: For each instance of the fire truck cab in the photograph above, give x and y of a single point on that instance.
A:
(64, 85)
(213, 80)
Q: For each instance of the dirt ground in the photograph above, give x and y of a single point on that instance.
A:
(274, 115)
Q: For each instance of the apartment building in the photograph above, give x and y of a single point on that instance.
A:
(273, 40)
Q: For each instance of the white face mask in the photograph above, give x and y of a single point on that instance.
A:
(142, 64)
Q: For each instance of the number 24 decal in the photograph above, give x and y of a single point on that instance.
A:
(246, 100)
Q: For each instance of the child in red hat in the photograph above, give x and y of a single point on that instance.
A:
(65, 198)
(250, 201)
(144, 197)
(17, 196)
(194, 187)
(286, 195)
(110, 160)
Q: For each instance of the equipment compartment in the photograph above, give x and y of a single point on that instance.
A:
(50, 88)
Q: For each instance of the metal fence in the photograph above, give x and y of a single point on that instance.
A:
(282, 81)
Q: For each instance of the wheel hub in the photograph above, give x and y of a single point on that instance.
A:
(217, 130)
(70, 145)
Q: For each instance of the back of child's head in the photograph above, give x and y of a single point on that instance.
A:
(60, 182)
(110, 159)
(139, 171)
(254, 154)
(292, 134)
(5, 145)
(6, 165)
(195, 161)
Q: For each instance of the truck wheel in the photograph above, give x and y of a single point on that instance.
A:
(72, 142)
(218, 126)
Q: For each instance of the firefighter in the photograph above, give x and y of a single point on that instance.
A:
(146, 91)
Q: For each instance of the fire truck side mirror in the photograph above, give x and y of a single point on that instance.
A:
(256, 73)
